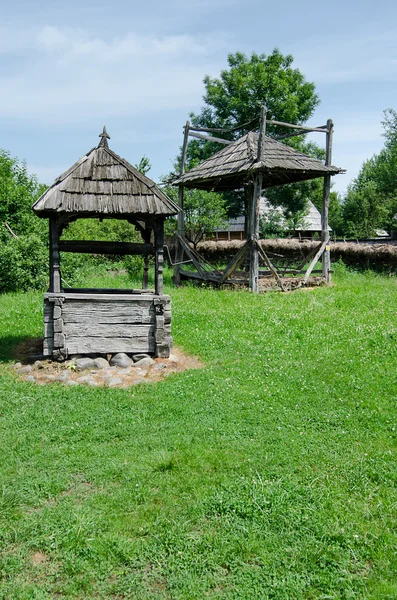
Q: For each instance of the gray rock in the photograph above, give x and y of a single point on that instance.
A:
(85, 379)
(30, 378)
(84, 363)
(25, 369)
(145, 362)
(140, 372)
(38, 364)
(138, 357)
(114, 381)
(17, 365)
(109, 373)
(63, 376)
(121, 360)
(160, 366)
(101, 363)
(173, 358)
(71, 382)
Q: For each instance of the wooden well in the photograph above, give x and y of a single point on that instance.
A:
(106, 321)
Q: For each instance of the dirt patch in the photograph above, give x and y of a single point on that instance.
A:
(44, 372)
(39, 558)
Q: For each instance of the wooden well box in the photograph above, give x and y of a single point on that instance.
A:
(106, 323)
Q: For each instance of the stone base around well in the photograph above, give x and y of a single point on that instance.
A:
(106, 323)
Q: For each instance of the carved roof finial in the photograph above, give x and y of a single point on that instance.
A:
(104, 138)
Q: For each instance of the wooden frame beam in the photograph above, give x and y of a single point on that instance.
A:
(95, 247)
(235, 262)
(210, 138)
(319, 253)
(322, 129)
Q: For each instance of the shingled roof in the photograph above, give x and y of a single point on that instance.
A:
(102, 183)
(230, 167)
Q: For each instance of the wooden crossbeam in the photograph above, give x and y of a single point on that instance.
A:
(91, 247)
(312, 253)
(190, 254)
(235, 262)
(270, 265)
(322, 128)
(314, 261)
(209, 138)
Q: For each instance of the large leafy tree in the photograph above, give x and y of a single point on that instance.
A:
(371, 200)
(233, 101)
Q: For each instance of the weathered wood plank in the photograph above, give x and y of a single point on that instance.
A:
(102, 293)
(107, 330)
(107, 313)
(120, 295)
(88, 345)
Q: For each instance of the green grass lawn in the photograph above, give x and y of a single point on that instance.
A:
(269, 473)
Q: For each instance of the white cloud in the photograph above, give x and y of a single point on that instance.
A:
(72, 75)
(356, 57)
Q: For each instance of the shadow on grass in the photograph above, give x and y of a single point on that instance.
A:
(20, 348)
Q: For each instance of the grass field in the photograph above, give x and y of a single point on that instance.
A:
(269, 474)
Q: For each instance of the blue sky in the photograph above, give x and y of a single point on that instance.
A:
(68, 68)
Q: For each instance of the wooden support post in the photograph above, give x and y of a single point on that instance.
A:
(55, 269)
(159, 244)
(255, 200)
(254, 235)
(181, 215)
(326, 194)
(145, 280)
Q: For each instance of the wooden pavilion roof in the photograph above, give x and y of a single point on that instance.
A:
(232, 166)
(102, 183)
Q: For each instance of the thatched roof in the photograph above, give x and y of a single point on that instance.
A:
(102, 183)
(231, 167)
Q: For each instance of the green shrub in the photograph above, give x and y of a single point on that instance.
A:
(134, 266)
(23, 264)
